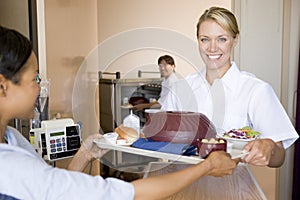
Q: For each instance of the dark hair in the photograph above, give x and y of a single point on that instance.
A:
(15, 49)
(168, 59)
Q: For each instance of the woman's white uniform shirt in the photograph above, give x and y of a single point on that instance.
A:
(27, 176)
(245, 100)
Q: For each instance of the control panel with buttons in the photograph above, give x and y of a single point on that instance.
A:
(56, 139)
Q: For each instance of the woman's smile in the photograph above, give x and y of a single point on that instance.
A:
(214, 57)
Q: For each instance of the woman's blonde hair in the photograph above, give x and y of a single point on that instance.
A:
(223, 17)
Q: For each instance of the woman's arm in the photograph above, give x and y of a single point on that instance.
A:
(217, 164)
(143, 106)
(265, 152)
(80, 160)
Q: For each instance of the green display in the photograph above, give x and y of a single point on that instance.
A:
(56, 134)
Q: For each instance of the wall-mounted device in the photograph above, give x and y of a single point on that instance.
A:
(56, 139)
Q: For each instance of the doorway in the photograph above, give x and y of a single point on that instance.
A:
(296, 177)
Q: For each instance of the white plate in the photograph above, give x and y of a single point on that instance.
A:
(236, 139)
(237, 143)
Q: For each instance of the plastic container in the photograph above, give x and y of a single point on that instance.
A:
(132, 121)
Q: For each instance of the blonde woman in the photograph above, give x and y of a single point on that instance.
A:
(232, 98)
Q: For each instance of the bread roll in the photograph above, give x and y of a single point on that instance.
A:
(127, 133)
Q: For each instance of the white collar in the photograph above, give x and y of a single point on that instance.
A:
(230, 78)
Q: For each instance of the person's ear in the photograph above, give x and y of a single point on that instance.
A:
(3, 85)
(173, 66)
(236, 39)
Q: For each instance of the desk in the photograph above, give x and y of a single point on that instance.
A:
(240, 185)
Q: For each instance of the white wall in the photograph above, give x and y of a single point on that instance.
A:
(116, 17)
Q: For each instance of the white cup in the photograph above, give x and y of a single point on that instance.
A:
(111, 137)
(125, 100)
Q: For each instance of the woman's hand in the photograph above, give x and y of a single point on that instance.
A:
(86, 153)
(221, 163)
(90, 149)
(264, 152)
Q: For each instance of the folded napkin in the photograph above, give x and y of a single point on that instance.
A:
(166, 147)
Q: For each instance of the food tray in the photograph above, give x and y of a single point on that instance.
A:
(166, 156)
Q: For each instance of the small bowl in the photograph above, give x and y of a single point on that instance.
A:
(204, 148)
